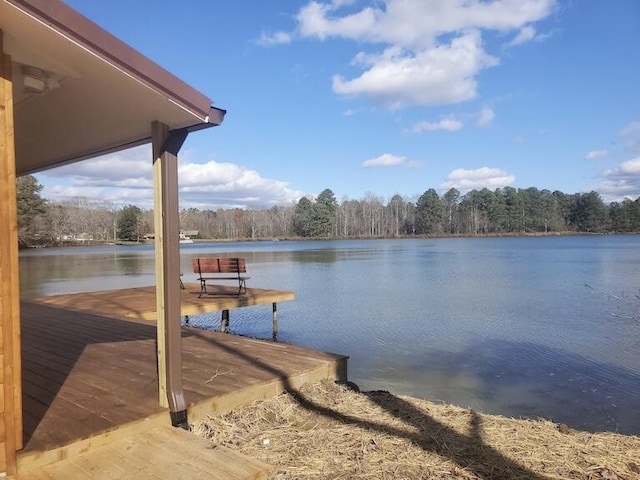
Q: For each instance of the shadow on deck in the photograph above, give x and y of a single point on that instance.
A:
(90, 379)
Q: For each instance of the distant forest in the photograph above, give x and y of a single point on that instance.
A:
(504, 211)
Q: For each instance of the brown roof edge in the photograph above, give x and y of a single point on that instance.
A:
(80, 29)
(216, 116)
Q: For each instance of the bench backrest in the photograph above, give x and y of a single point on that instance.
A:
(219, 265)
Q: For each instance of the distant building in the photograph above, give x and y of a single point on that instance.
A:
(184, 235)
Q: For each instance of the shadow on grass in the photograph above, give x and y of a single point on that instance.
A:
(468, 451)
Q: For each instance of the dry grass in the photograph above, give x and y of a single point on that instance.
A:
(327, 431)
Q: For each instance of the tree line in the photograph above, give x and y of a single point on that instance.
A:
(501, 211)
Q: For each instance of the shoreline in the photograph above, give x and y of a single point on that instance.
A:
(329, 431)
(95, 243)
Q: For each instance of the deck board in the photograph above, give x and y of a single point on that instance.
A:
(140, 303)
(89, 378)
(159, 452)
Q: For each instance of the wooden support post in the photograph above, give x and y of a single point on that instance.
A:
(10, 360)
(167, 258)
(224, 321)
(275, 320)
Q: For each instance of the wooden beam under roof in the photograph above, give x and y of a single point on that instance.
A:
(10, 391)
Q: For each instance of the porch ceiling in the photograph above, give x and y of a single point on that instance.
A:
(80, 92)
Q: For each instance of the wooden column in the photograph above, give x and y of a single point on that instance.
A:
(10, 380)
(167, 258)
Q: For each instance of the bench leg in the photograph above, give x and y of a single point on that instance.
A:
(203, 288)
(224, 322)
(242, 287)
(275, 320)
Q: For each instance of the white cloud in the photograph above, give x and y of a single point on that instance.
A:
(632, 129)
(446, 124)
(623, 181)
(389, 160)
(128, 168)
(61, 193)
(278, 38)
(443, 74)
(313, 20)
(617, 190)
(630, 136)
(526, 34)
(620, 182)
(126, 177)
(484, 177)
(595, 154)
(625, 169)
(417, 23)
(428, 52)
(213, 182)
(485, 117)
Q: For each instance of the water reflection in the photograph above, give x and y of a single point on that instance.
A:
(130, 264)
(522, 379)
(82, 269)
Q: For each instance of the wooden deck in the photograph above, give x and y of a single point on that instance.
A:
(156, 453)
(140, 303)
(90, 379)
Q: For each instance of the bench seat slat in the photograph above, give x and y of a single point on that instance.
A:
(224, 278)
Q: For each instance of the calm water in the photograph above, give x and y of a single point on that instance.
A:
(537, 327)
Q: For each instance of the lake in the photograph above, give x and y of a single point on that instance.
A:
(536, 327)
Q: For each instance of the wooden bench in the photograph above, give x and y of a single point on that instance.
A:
(211, 269)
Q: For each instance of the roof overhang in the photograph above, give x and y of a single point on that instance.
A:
(81, 92)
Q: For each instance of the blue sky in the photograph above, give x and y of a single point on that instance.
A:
(382, 97)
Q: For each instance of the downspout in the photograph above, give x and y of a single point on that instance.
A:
(166, 145)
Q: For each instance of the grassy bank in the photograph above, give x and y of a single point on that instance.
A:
(328, 431)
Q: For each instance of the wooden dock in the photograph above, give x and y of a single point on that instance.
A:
(140, 303)
(90, 378)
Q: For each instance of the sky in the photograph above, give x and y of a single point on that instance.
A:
(383, 97)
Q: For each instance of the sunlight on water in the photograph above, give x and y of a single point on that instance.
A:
(538, 327)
